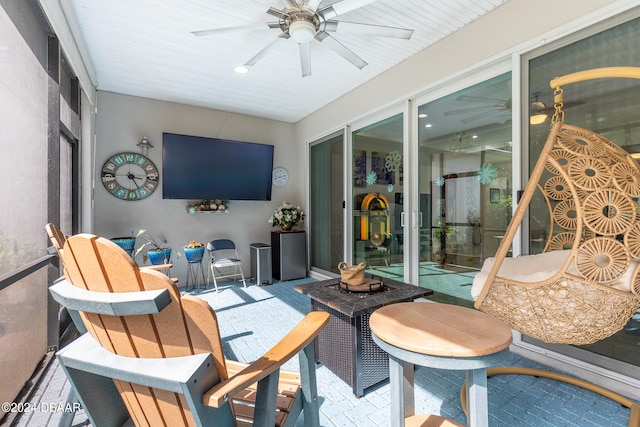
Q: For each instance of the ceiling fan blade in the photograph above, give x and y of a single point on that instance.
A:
(367, 29)
(504, 119)
(551, 109)
(305, 59)
(477, 116)
(312, 4)
(469, 110)
(342, 7)
(290, 4)
(262, 26)
(277, 13)
(341, 49)
(472, 98)
(258, 56)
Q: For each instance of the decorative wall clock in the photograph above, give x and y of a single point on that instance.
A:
(280, 176)
(130, 176)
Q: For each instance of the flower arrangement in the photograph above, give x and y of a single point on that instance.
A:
(287, 216)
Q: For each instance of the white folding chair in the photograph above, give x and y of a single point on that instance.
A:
(225, 263)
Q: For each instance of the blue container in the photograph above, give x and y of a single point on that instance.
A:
(194, 254)
(126, 243)
(159, 257)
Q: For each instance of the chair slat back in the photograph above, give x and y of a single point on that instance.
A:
(98, 264)
(57, 237)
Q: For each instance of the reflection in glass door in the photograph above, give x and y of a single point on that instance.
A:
(326, 196)
(378, 197)
(610, 108)
(465, 185)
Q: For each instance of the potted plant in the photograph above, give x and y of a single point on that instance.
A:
(444, 236)
(194, 251)
(287, 216)
(154, 249)
(126, 243)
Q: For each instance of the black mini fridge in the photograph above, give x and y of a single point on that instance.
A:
(289, 255)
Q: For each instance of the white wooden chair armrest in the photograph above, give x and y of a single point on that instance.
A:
(110, 303)
(168, 373)
(91, 370)
(290, 345)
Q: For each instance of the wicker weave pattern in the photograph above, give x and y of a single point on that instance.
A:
(561, 311)
(345, 347)
(589, 185)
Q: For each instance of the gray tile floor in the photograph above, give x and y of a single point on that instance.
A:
(252, 319)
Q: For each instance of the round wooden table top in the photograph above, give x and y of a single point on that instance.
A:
(440, 329)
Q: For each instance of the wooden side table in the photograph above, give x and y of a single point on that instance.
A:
(439, 336)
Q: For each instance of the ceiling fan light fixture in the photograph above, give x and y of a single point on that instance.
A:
(302, 31)
(537, 119)
(537, 116)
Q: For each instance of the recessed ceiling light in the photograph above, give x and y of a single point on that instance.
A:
(422, 115)
(241, 69)
(428, 125)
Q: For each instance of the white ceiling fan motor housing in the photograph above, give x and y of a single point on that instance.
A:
(302, 31)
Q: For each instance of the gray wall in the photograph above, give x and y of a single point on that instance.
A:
(123, 120)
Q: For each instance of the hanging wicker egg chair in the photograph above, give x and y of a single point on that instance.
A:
(585, 286)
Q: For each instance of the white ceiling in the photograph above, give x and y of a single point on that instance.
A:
(145, 48)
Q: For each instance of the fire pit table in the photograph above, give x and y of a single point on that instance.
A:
(345, 345)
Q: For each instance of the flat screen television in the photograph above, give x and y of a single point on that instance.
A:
(195, 167)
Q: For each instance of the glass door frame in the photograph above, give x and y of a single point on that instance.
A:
(496, 67)
(594, 363)
(345, 184)
(411, 204)
(371, 119)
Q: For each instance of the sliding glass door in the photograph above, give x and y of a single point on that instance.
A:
(377, 197)
(465, 185)
(326, 203)
(608, 107)
(459, 205)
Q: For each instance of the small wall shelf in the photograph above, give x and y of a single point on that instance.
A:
(213, 206)
(207, 213)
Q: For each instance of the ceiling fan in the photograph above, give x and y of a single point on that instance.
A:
(538, 111)
(304, 21)
(491, 106)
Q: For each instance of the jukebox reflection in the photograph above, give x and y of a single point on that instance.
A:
(373, 225)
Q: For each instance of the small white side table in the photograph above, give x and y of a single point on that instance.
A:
(440, 336)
